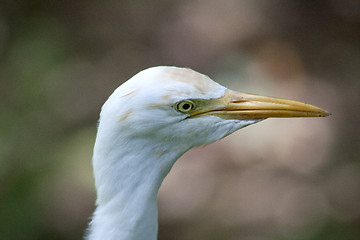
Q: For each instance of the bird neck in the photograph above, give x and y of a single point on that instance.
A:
(128, 178)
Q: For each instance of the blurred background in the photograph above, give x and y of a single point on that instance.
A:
(279, 179)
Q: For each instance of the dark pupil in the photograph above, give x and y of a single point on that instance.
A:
(186, 106)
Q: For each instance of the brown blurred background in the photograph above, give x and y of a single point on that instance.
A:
(279, 179)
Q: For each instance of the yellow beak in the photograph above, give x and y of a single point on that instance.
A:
(239, 105)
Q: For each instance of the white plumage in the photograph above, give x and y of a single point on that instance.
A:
(147, 124)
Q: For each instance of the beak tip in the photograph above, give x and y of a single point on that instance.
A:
(325, 113)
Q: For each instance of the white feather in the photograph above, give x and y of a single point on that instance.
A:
(140, 136)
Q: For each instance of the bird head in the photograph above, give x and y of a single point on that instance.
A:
(147, 123)
(186, 108)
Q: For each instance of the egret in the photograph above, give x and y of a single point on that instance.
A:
(147, 124)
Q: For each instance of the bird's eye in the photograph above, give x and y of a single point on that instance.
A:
(185, 106)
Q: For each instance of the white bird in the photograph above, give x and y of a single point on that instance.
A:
(147, 124)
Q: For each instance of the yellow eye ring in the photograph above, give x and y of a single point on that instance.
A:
(185, 106)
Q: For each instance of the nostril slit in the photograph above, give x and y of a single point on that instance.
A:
(238, 100)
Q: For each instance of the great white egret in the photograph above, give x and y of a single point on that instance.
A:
(147, 124)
